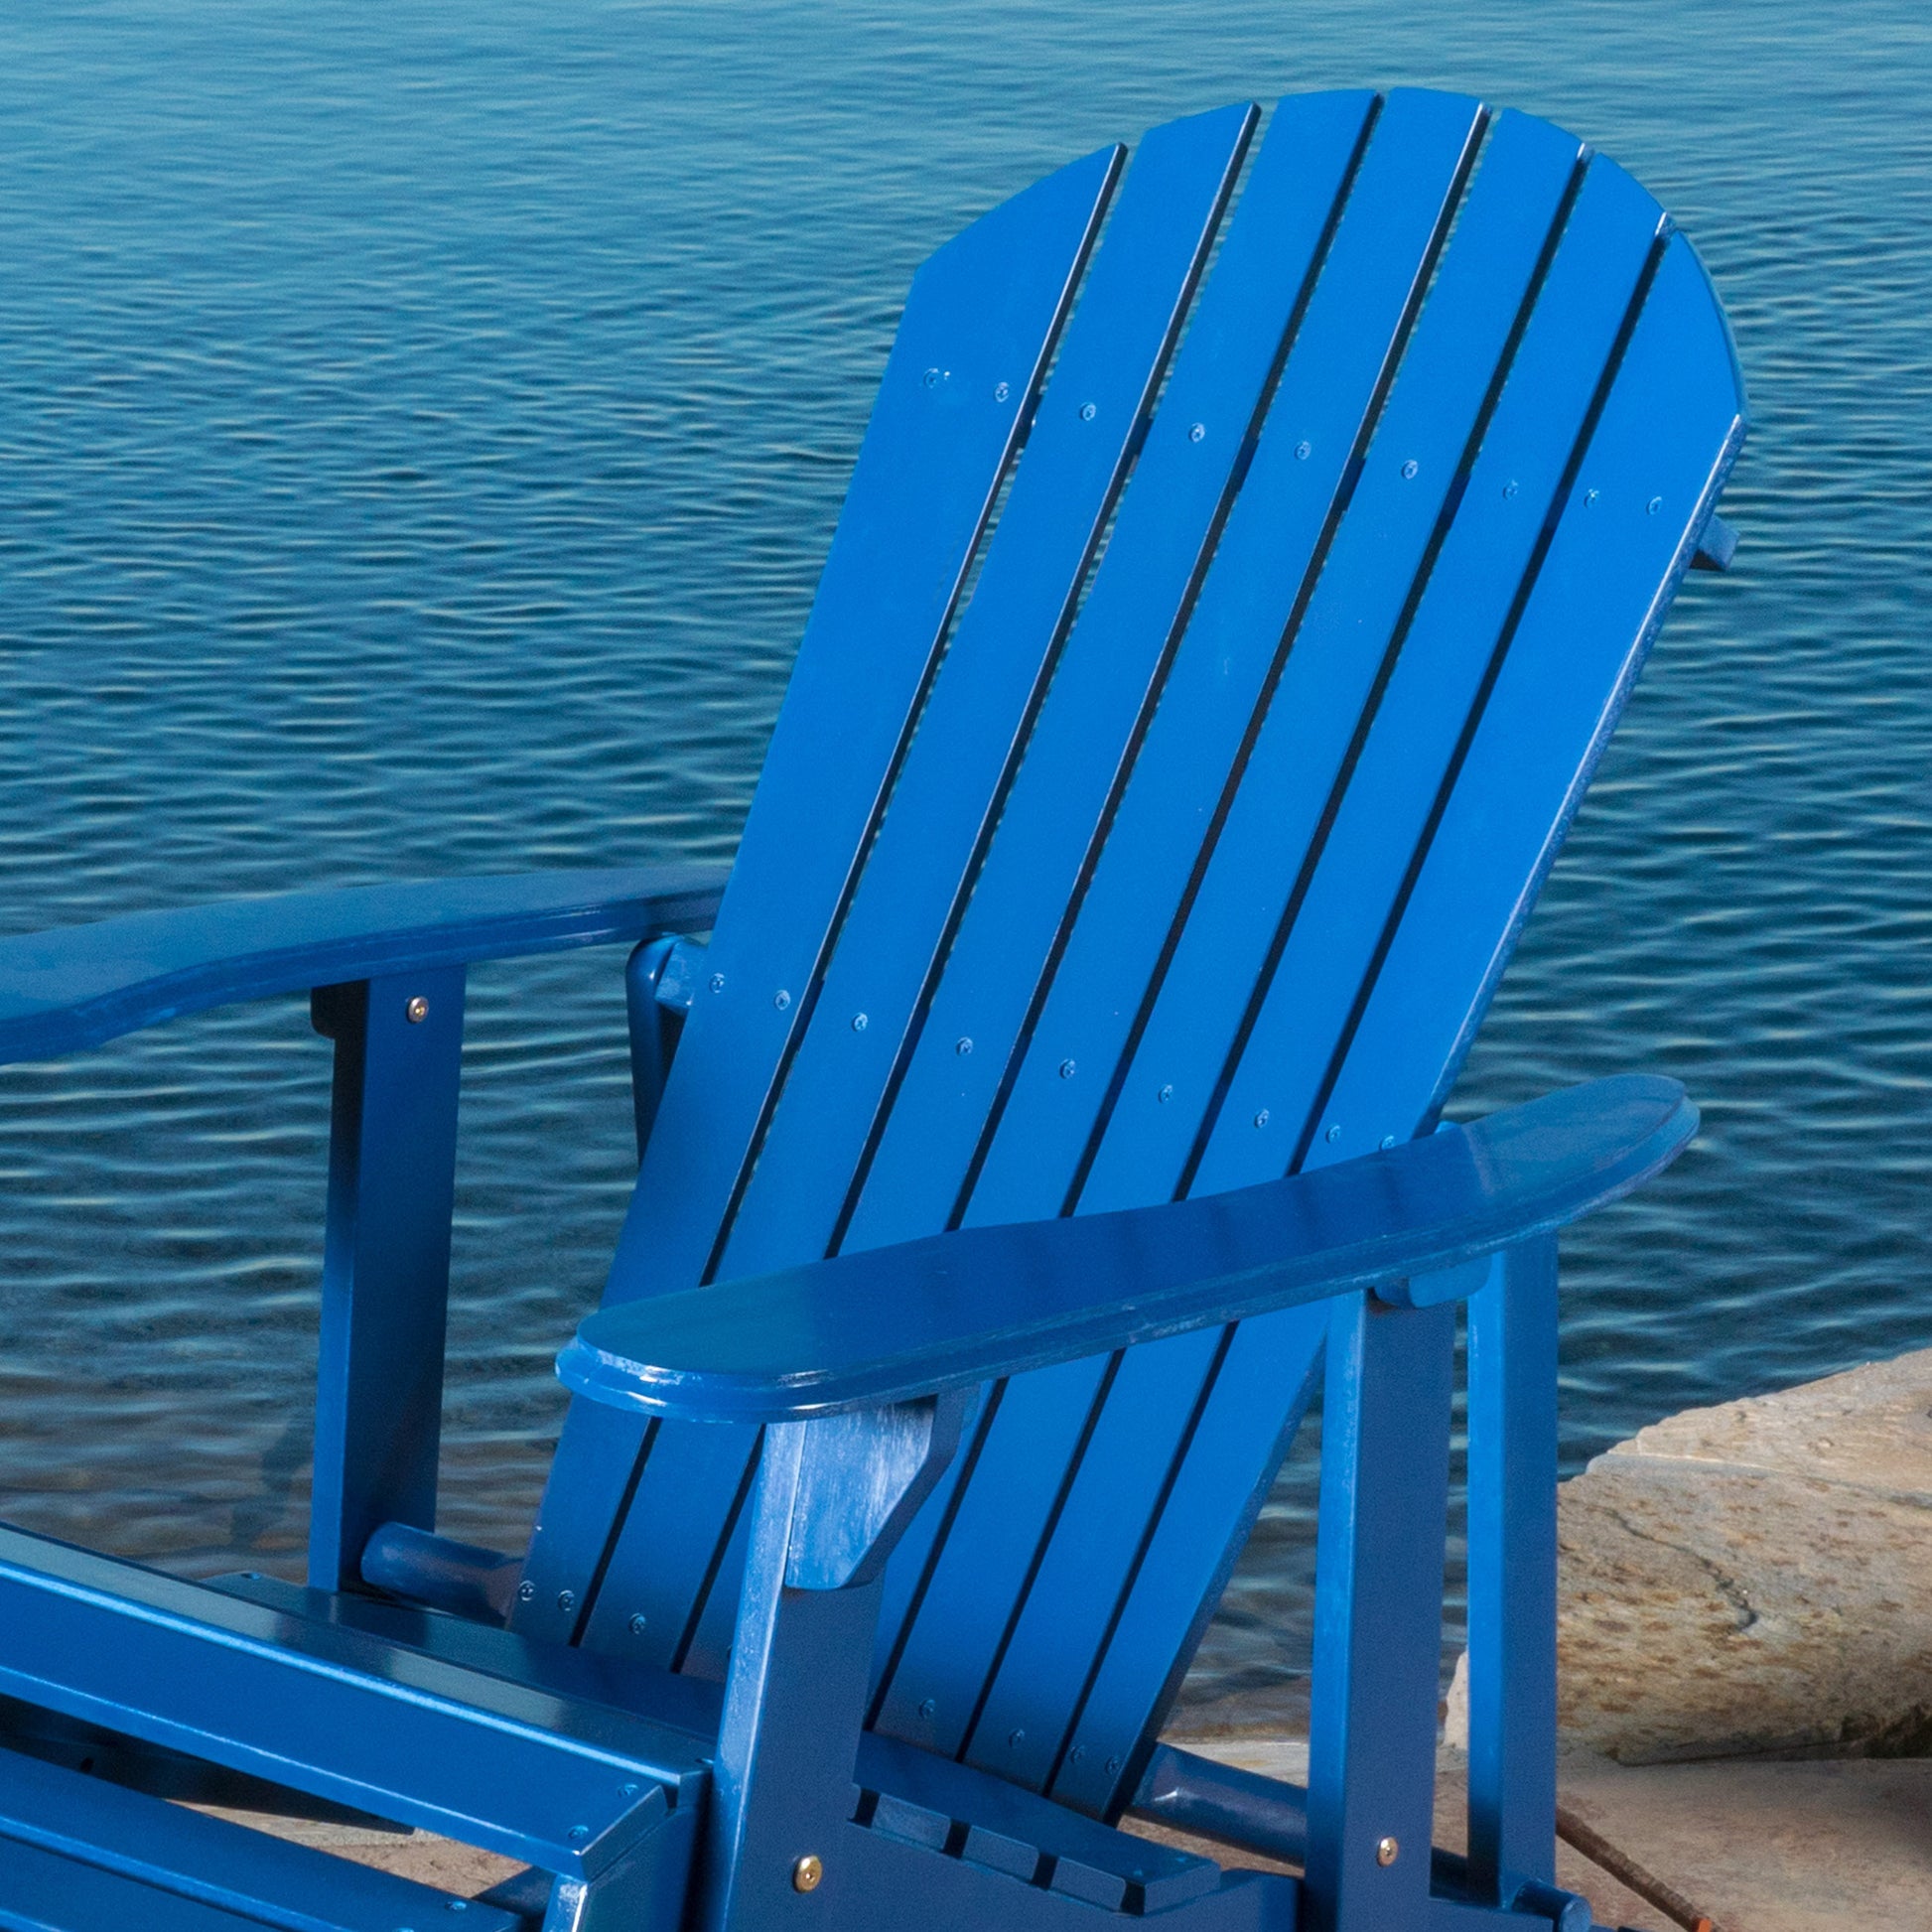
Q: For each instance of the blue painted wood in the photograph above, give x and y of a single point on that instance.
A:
(385, 1263)
(1256, 864)
(958, 1797)
(889, 1325)
(654, 1025)
(389, 1638)
(1328, 951)
(791, 1755)
(1385, 1424)
(951, 780)
(862, 1478)
(895, 1877)
(1332, 933)
(1116, 657)
(1717, 547)
(1189, 1793)
(463, 1579)
(794, 1702)
(78, 986)
(511, 1770)
(1397, 202)
(1464, 589)
(950, 791)
(1333, 655)
(1512, 1575)
(906, 1575)
(77, 1851)
(981, 322)
(1188, 1550)
(929, 1685)
(1668, 432)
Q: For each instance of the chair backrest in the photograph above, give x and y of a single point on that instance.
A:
(1202, 678)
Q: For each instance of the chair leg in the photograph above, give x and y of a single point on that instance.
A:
(385, 1269)
(1513, 1572)
(1378, 1615)
(832, 1498)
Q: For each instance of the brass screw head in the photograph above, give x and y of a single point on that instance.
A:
(1387, 1850)
(417, 1010)
(807, 1872)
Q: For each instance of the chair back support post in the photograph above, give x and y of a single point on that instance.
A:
(386, 1271)
(1383, 1527)
(833, 1496)
(658, 983)
(1512, 1530)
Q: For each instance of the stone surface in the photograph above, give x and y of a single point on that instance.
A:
(1769, 1847)
(1755, 1579)
(421, 1856)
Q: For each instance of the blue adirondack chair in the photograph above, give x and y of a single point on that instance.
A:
(1178, 743)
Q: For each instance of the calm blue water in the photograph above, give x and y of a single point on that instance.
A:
(419, 432)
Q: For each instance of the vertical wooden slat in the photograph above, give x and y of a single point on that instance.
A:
(385, 1269)
(1462, 617)
(1557, 366)
(1668, 433)
(1352, 637)
(1112, 662)
(1385, 1427)
(1404, 489)
(1089, 424)
(984, 312)
(1334, 374)
(949, 783)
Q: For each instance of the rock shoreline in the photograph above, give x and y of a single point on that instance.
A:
(1753, 1579)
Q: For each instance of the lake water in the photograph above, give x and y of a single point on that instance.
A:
(420, 428)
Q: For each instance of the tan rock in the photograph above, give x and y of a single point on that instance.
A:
(1755, 1579)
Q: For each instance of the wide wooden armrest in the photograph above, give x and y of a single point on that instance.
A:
(886, 1324)
(78, 986)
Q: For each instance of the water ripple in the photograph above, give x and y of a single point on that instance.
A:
(421, 430)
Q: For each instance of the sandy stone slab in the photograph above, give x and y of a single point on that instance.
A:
(1612, 1903)
(1775, 1848)
(1715, 1611)
(1753, 1579)
(421, 1856)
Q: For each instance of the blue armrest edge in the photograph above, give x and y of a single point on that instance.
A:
(78, 986)
(888, 1325)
